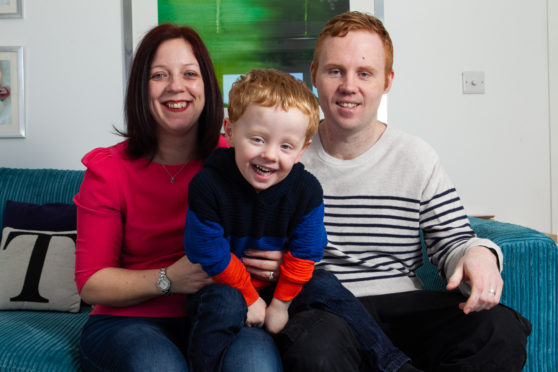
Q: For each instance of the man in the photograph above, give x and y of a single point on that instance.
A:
(381, 187)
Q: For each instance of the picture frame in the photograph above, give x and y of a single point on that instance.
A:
(11, 9)
(12, 118)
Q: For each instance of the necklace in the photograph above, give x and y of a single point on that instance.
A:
(172, 178)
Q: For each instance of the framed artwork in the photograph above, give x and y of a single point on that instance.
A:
(246, 34)
(12, 123)
(10, 9)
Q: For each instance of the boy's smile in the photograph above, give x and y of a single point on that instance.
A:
(268, 141)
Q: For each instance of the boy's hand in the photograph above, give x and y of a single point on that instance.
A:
(277, 315)
(256, 313)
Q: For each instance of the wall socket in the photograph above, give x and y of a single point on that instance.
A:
(473, 82)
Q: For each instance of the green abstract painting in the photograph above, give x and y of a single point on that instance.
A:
(246, 34)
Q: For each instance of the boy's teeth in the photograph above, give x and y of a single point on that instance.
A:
(176, 105)
(261, 170)
(347, 104)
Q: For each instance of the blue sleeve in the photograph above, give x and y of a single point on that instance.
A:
(204, 244)
(309, 237)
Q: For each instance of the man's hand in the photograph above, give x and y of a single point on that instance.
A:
(277, 315)
(256, 313)
(479, 266)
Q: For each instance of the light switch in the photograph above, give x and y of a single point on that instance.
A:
(473, 82)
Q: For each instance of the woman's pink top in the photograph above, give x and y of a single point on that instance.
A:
(130, 215)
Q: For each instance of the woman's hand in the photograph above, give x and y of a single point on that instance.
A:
(187, 277)
(264, 265)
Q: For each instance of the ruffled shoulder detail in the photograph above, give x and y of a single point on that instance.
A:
(100, 186)
(101, 155)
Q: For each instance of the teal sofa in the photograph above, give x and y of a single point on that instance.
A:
(49, 341)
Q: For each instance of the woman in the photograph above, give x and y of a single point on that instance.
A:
(130, 261)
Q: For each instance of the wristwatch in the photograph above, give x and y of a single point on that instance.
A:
(163, 283)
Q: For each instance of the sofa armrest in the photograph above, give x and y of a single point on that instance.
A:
(530, 276)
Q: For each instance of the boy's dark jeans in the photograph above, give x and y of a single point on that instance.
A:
(218, 312)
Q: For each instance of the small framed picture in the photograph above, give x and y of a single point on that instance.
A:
(10, 9)
(12, 118)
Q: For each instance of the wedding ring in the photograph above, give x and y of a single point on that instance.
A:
(493, 291)
(271, 275)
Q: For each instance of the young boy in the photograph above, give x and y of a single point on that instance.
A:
(256, 195)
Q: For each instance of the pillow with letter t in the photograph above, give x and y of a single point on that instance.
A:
(37, 257)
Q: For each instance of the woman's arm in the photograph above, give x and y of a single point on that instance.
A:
(119, 287)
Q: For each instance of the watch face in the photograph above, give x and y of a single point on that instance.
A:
(163, 284)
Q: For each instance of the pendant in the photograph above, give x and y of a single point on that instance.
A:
(172, 178)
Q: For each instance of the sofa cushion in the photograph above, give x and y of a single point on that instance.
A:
(41, 341)
(37, 257)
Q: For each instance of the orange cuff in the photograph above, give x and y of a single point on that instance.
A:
(295, 272)
(236, 276)
(285, 290)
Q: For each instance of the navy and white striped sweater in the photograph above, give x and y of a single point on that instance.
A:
(377, 204)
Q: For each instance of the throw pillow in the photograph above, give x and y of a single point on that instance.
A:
(37, 257)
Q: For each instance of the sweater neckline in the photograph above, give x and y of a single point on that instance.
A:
(370, 155)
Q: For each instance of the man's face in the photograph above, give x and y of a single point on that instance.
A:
(351, 80)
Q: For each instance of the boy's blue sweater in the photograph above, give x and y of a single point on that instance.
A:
(225, 214)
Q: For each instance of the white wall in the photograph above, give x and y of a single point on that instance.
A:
(495, 146)
(553, 99)
(73, 80)
(144, 15)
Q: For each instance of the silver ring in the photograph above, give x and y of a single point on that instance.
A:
(493, 291)
(271, 275)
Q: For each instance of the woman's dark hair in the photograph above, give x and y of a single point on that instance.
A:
(141, 128)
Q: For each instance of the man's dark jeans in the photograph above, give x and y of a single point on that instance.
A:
(428, 326)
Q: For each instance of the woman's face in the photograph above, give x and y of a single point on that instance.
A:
(176, 90)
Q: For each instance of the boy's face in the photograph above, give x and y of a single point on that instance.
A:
(268, 142)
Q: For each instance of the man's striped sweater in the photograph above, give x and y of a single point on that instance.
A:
(375, 208)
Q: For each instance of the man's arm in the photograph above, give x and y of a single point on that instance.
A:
(467, 261)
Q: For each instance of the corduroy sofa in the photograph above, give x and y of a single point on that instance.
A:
(49, 340)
